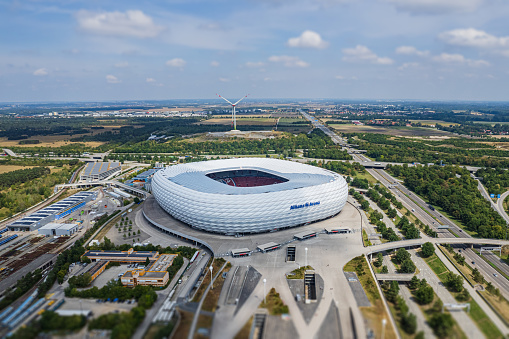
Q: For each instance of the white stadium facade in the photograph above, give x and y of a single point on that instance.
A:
(248, 195)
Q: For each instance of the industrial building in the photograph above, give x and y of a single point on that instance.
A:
(248, 195)
(145, 278)
(130, 256)
(59, 230)
(56, 211)
(99, 170)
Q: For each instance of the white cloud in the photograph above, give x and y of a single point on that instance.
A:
(111, 79)
(435, 6)
(176, 62)
(363, 54)
(408, 65)
(214, 63)
(411, 50)
(41, 72)
(121, 64)
(149, 80)
(459, 59)
(472, 37)
(224, 79)
(132, 23)
(308, 39)
(288, 61)
(341, 77)
(254, 64)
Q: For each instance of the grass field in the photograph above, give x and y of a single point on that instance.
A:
(49, 141)
(434, 122)
(10, 168)
(241, 121)
(396, 130)
(210, 302)
(206, 279)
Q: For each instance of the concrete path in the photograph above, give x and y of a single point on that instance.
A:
(197, 313)
(489, 312)
(465, 322)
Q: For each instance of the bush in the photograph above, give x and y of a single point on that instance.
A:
(409, 323)
(454, 282)
(427, 250)
(424, 295)
(401, 255)
(442, 324)
(407, 266)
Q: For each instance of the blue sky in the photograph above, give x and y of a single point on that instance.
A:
(73, 50)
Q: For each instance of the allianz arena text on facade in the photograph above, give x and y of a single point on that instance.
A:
(248, 195)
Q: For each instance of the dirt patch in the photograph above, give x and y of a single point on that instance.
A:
(49, 141)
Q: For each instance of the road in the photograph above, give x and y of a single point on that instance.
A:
(431, 217)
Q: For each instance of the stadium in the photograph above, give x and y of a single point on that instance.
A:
(248, 195)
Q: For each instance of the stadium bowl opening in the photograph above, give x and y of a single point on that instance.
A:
(249, 195)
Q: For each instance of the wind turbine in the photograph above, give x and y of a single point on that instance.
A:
(234, 119)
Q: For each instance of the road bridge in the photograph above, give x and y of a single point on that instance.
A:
(437, 241)
(118, 184)
(394, 276)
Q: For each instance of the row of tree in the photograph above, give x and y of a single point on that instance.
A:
(455, 191)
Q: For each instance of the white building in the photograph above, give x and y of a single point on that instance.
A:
(59, 230)
(248, 195)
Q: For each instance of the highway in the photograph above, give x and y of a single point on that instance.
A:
(432, 218)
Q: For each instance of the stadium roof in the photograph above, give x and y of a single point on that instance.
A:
(193, 175)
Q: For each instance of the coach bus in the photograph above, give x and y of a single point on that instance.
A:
(194, 257)
(305, 235)
(241, 252)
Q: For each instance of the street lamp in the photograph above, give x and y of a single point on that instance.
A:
(383, 327)
(306, 263)
(211, 285)
(264, 292)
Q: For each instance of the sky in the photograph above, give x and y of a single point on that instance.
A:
(73, 50)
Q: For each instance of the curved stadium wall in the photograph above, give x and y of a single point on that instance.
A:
(303, 194)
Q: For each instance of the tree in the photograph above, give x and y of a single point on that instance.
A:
(61, 276)
(427, 250)
(442, 324)
(409, 323)
(424, 295)
(414, 283)
(379, 260)
(391, 213)
(365, 205)
(139, 232)
(385, 269)
(124, 236)
(454, 282)
(401, 255)
(477, 276)
(147, 262)
(407, 266)
(392, 292)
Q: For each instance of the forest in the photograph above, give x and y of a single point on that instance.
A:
(455, 191)
(314, 140)
(386, 148)
(496, 180)
(22, 175)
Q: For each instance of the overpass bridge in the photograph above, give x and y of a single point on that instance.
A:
(437, 241)
(401, 277)
(133, 190)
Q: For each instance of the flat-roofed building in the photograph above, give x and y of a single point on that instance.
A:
(145, 278)
(97, 269)
(55, 211)
(130, 256)
(100, 170)
(59, 230)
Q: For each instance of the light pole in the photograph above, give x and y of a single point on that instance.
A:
(211, 285)
(383, 327)
(264, 292)
(306, 262)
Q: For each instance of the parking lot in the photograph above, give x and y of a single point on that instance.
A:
(109, 274)
(97, 309)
